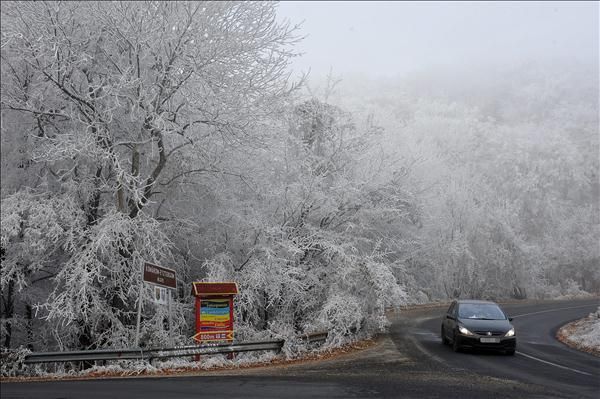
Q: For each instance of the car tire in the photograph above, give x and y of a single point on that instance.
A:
(444, 338)
(510, 352)
(455, 345)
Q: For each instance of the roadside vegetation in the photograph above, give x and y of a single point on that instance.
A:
(173, 133)
(583, 334)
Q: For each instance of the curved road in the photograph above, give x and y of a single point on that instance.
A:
(540, 359)
(409, 362)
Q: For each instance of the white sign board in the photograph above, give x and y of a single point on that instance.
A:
(160, 295)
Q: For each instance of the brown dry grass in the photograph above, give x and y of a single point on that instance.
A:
(564, 333)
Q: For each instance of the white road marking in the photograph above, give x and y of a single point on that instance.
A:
(545, 361)
(552, 364)
(551, 310)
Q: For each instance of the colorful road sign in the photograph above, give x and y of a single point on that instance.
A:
(214, 311)
(215, 314)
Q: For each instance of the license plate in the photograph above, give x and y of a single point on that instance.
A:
(489, 340)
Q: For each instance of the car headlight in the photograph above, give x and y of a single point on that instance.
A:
(464, 331)
(510, 333)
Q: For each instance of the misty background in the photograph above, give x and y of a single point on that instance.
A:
(390, 39)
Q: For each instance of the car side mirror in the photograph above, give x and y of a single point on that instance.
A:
(450, 317)
(510, 319)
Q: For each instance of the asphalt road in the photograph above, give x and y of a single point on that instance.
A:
(409, 362)
(540, 358)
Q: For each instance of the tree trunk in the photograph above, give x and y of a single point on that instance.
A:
(265, 311)
(85, 342)
(8, 312)
(29, 325)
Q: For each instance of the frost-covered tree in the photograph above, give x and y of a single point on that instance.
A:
(305, 241)
(125, 101)
(506, 171)
(35, 234)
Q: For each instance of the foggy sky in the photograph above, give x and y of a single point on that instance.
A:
(392, 38)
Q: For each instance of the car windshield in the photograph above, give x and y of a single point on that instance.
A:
(482, 311)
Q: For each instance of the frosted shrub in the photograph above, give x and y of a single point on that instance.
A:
(12, 363)
(343, 315)
(571, 289)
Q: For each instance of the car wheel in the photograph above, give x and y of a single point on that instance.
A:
(455, 345)
(444, 338)
(510, 352)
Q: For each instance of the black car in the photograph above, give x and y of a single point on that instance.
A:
(478, 325)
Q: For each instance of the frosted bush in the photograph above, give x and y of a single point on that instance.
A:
(12, 363)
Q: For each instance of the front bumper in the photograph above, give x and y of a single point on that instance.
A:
(474, 342)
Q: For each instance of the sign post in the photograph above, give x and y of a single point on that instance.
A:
(171, 342)
(162, 278)
(139, 315)
(214, 311)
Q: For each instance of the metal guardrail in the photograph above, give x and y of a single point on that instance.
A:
(160, 353)
(149, 354)
(215, 349)
(316, 337)
(74, 356)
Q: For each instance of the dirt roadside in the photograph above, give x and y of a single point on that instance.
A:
(566, 332)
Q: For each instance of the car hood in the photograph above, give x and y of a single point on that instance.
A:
(486, 325)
